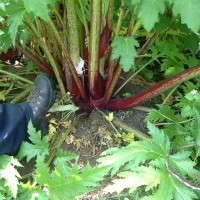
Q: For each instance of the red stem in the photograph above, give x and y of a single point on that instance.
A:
(94, 46)
(122, 104)
(36, 60)
(145, 47)
(104, 40)
(111, 82)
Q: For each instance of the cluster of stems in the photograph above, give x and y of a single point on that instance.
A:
(77, 53)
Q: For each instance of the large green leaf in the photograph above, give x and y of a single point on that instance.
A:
(67, 184)
(171, 188)
(39, 8)
(15, 12)
(5, 40)
(137, 152)
(141, 176)
(189, 12)
(149, 12)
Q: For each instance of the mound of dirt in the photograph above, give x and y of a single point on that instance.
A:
(94, 134)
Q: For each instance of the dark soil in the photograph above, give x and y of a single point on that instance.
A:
(94, 134)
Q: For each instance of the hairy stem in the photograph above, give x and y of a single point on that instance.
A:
(120, 19)
(73, 32)
(48, 54)
(54, 46)
(84, 19)
(111, 64)
(128, 75)
(70, 63)
(116, 122)
(94, 48)
(122, 104)
(169, 95)
(130, 24)
(111, 87)
(129, 129)
(60, 141)
(36, 60)
(70, 19)
(133, 75)
(136, 27)
(145, 47)
(15, 76)
(110, 14)
(113, 76)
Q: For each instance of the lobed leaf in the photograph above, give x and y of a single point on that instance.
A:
(39, 8)
(39, 145)
(5, 40)
(15, 12)
(124, 48)
(149, 12)
(142, 176)
(164, 113)
(9, 173)
(137, 152)
(169, 187)
(189, 12)
(67, 184)
(29, 191)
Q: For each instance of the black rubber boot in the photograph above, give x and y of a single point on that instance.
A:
(41, 99)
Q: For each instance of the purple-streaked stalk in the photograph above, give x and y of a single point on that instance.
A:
(130, 24)
(72, 25)
(145, 47)
(74, 50)
(36, 60)
(113, 83)
(110, 65)
(113, 75)
(70, 63)
(52, 61)
(93, 70)
(122, 104)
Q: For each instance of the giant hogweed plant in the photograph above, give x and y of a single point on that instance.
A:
(167, 165)
(92, 47)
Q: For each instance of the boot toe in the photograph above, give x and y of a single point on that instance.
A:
(42, 97)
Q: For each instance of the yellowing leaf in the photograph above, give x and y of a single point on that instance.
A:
(109, 117)
(52, 131)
